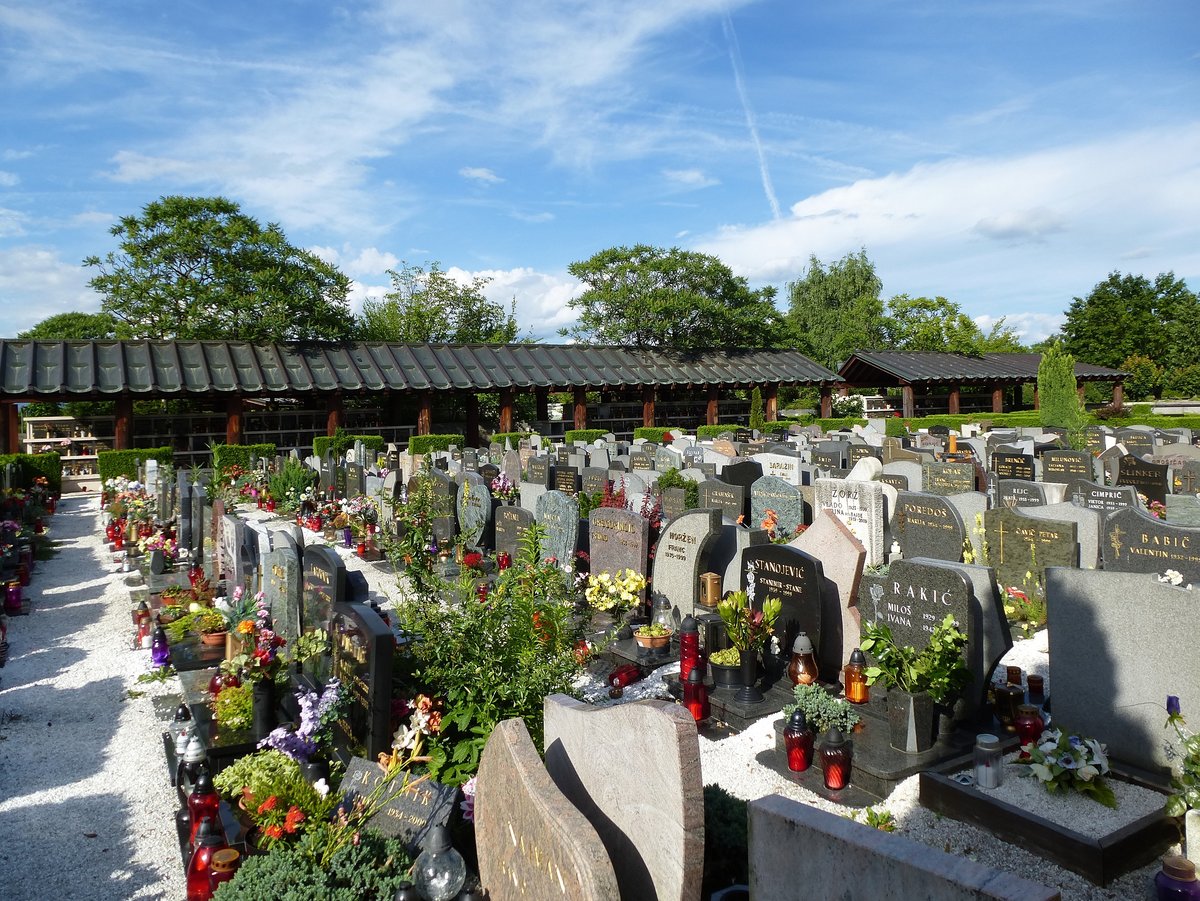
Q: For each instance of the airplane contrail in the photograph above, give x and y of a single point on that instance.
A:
(735, 57)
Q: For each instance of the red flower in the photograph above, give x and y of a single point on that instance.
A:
(267, 805)
(472, 559)
(294, 818)
(273, 831)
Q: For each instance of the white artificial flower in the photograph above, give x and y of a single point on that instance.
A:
(1087, 773)
(405, 738)
(321, 787)
(1041, 771)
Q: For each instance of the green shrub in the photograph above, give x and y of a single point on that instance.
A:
(756, 409)
(670, 478)
(588, 435)
(369, 870)
(514, 437)
(419, 445)
(726, 841)
(1057, 390)
(339, 444)
(1145, 377)
(651, 433)
(1183, 382)
(48, 465)
(289, 483)
(110, 464)
(226, 455)
(710, 432)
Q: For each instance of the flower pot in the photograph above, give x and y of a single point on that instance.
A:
(725, 676)
(655, 642)
(314, 770)
(266, 716)
(749, 693)
(911, 721)
(212, 638)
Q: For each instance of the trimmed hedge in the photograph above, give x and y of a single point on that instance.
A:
(111, 464)
(588, 435)
(651, 432)
(514, 437)
(30, 466)
(48, 465)
(226, 455)
(371, 442)
(419, 445)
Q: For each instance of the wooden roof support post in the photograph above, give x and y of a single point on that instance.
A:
(541, 400)
(123, 423)
(771, 403)
(997, 399)
(333, 415)
(955, 400)
(506, 409)
(1081, 392)
(580, 411)
(1037, 398)
(425, 414)
(712, 415)
(471, 402)
(826, 402)
(11, 424)
(647, 405)
(233, 420)
(908, 402)
(1118, 394)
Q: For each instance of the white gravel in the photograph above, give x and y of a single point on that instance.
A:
(86, 806)
(77, 756)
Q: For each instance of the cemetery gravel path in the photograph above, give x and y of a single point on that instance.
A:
(86, 806)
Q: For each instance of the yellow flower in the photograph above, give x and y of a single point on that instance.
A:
(246, 627)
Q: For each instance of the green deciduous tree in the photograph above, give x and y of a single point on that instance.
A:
(1127, 314)
(1145, 377)
(834, 311)
(1058, 401)
(427, 305)
(73, 327)
(198, 268)
(938, 324)
(650, 297)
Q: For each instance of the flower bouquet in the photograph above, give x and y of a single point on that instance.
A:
(1069, 762)
(1185, 778)
(618, 594)
(504, 489)
(318, 713)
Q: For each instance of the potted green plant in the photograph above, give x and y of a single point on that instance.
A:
(652, 635)
(726, 668)
(748, 630)
(916, 679)
(822, 710)
(211, 625)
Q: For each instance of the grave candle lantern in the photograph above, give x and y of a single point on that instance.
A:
(224, 867)
(689, 646)
(503, 560)
(203, 803)
(695, 696)
(802, 668)
(199, 872)
(712, 589)
(347, 536)
(12, 598)
(1037, 689)
(439, 871)
(835, 760)
(855, 677)
(1028, 724)
(798, 742)
(160, 648)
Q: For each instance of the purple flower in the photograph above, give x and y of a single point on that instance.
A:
(1173, 706)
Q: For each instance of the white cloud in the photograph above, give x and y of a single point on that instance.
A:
(541, 297)
(480, 174)
(12, 223)
(8, 179)
(372, 261)
(689, 178)
(93, 217)
(1030, 327)
(36, 284)
(533, 218)
(1022, 234)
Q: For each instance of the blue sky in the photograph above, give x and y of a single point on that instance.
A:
(1006, 155)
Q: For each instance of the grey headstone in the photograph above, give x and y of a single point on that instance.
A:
(912, 472)
(729, 499)
(945, 479)
(618, 539)
(558, 853)
(511, 524)
(282, 587)
(1100, 498)
(1134, 541)
(324, 586)
(600, 758)
(1087, 527)
(1018, 545)
(725, 553)
(784, 500)
(1137, 442)
(594, 480)
(682, 549)
(474, 509)
(784, 466)
(1020, 493)
(363, 647)
(407, 812)
(1151, 479)
(1119, 644)
(860, 506)
(559, 514)
(1185, 478)
(926, 525)
(1067, 465)
(1013, 466)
